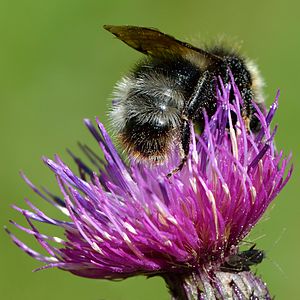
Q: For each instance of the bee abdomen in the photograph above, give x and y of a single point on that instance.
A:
(148, 141)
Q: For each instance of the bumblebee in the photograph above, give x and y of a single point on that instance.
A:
(170, 88)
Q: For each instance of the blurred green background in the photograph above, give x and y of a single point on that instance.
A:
(59, 66)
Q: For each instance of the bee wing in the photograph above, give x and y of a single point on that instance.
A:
(155, 43)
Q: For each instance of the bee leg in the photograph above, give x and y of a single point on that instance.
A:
(193, 106)
(185, 145)
(248, 111)
(247, 120)
(251, 117)
(201, 92)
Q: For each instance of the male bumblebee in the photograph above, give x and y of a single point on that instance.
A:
(170, 88)
(242, 261)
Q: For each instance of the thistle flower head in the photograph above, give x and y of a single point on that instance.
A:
(128, 220)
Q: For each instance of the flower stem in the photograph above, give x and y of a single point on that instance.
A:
(203, 285)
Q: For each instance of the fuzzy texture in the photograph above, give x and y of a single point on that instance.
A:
(130, 220)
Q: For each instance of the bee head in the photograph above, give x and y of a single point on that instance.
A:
(240, 72)
(249, 83)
